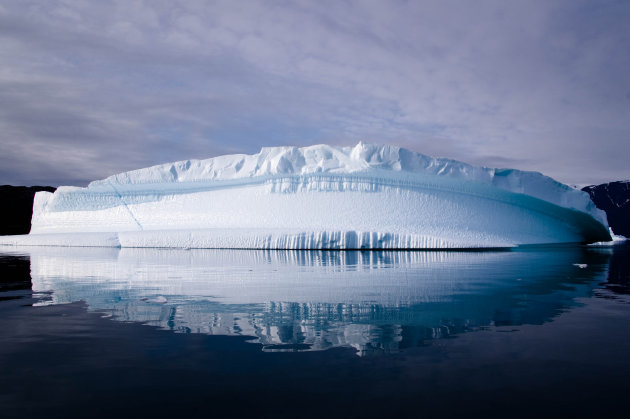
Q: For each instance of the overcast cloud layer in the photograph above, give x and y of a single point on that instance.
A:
(93, 88)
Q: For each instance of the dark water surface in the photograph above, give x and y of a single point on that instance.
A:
(217, 333)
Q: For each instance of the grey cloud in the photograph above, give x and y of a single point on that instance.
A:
(88, 89)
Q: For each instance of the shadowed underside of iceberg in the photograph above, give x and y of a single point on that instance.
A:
(318, 197)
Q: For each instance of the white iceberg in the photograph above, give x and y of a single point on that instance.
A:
(318, 197)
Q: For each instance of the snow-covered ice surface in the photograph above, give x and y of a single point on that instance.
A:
(318, 197)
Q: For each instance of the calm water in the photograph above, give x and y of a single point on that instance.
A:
(202, 333)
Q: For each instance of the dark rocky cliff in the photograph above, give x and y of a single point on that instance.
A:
(614, 198)
(16, 208)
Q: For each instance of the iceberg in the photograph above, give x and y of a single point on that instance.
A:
(318, 197)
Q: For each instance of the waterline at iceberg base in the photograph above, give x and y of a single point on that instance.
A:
(318, 197)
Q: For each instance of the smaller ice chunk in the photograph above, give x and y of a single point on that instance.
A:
(160, 299)
(616, 240)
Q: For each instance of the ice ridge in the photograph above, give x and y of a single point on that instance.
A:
(330, 160)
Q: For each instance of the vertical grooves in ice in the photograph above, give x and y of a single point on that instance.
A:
(274, 240)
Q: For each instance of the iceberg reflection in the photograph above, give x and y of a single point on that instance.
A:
(310, 300)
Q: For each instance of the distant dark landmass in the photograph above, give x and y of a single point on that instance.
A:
(16, 208)
(614, 198)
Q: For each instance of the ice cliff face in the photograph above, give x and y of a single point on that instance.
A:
(366, 196)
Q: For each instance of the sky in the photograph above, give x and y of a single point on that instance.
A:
(93, 88)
